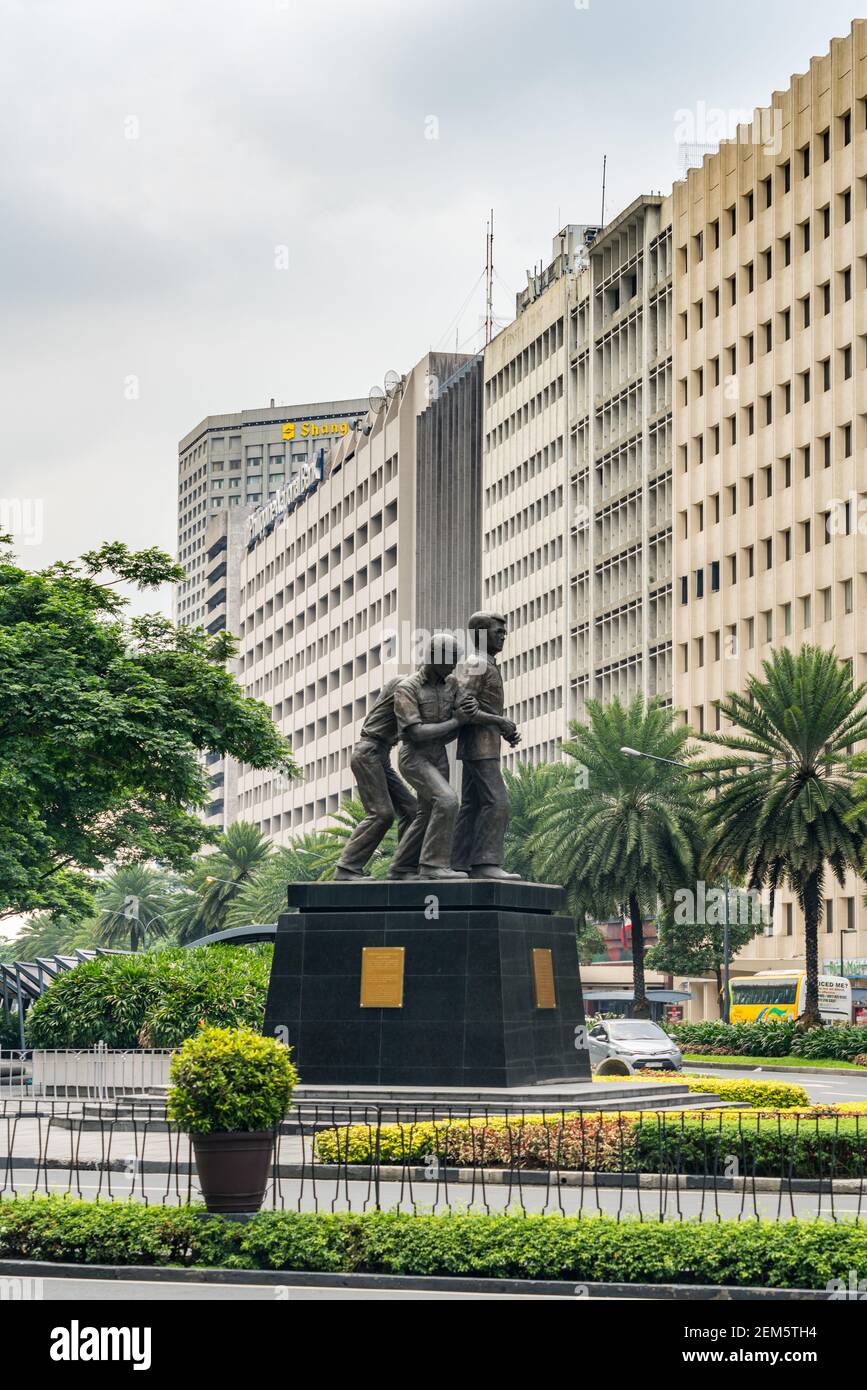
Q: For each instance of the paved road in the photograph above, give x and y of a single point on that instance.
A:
(127, 1291)
(673, 1202)
(821, 1088)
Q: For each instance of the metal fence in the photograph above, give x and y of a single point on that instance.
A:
(96, 1072)
(688, 1166)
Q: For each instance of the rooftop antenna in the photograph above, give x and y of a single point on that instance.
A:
(604, 166)
(489, 279)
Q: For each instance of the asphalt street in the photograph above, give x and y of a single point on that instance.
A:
(820, 1087)
(676, 1201)
(129, 1291)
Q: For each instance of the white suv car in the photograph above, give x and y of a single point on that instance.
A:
(636, 1041)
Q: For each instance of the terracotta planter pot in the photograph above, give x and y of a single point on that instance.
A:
(233, 1168)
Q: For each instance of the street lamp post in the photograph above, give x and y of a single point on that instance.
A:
(672, 762)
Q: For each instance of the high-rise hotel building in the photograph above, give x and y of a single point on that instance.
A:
(770, 414)
(227, 467)
(237, 461)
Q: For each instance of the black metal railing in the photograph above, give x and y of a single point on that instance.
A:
(666, 1165)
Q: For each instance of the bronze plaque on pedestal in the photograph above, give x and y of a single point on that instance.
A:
(382, 977)
(543, 979)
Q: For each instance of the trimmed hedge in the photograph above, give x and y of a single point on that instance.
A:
(768, 1040)
(153, 998)
(763, 1095)
(774, 1145)
(780, 1146)
(745, 1039)
(790, 1254)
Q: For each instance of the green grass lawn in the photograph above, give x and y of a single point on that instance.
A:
(800, 1062)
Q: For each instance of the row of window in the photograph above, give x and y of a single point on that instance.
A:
(522, 472)
(525, 413)
(737, 638)
(521, 521)
(534, 560)
(820, 148)
(524, 362)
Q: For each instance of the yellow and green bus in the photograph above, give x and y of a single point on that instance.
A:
(773, 995)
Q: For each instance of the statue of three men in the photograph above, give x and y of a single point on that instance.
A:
(439, 836)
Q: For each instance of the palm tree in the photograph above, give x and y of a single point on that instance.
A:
(787, 808)
(134, 902)
(621, 829)
(264, 897)
(43, 935)
(218, 878)
(333, 838)
(530, 788)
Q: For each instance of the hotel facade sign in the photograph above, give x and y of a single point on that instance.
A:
(305, 481)
(309, 429)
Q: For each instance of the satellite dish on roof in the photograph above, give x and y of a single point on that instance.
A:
(392, 384)
(376, 399)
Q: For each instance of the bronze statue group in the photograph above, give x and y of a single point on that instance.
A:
(452, 695)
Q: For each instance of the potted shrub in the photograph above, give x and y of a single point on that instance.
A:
(230, 1089)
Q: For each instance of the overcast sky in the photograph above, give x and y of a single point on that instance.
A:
(158, 155)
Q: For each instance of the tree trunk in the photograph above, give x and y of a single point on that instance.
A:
(812, 915)
(641, 1003)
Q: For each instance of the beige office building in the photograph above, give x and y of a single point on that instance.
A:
(577, 477)
(770, 415)
(223, 543)
(336, 575)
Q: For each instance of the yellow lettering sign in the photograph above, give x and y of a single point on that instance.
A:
(309, 430)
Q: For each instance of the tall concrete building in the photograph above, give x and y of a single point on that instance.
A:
(770, 417)
(621, 460)
(577, 476)
(225, 538)
(238, 461)
(337, 573)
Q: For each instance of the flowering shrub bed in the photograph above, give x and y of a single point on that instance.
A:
(813, 1143)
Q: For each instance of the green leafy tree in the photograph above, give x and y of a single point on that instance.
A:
(620, 828)
(785, 810)
(264, 897)
(103, 719)
(152, 998)
(134, 904)
(217, 880)
(530, 789)
(44, 935)
(688, 947)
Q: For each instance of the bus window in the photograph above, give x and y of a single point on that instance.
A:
(764, 992)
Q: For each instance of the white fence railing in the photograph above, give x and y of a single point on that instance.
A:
(93, 1072)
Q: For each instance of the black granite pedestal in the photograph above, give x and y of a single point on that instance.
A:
(491, 993)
